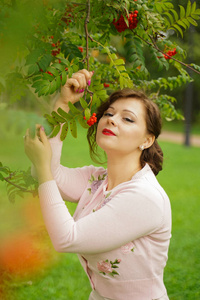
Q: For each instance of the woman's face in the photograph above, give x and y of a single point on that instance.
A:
(122, 128)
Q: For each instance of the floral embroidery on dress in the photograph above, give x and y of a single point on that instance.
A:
(95, 183)
(108, 267)
(128, 248)
(103, 202)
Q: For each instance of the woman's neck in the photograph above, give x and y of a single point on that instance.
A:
(121, 169)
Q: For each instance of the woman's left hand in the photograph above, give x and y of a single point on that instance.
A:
(38, 149)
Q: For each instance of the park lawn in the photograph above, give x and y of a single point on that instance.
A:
(65, 279)
(179, 126)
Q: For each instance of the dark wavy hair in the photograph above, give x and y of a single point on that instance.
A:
(152, 155)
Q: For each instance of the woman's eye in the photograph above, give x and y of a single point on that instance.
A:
(108, 114)
(128, 120)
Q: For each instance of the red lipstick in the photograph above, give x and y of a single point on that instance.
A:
(108, 132)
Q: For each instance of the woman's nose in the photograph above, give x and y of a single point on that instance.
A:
(112, 121)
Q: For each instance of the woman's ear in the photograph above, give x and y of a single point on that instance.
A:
(149, 141)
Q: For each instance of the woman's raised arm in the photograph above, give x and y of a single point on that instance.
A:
(38, 148)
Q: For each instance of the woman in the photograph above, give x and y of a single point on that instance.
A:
(122, 225)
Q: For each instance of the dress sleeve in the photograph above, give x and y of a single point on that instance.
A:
(70, 181)
(127, 216)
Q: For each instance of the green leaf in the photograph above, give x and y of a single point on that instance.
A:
(48, 77)
(48, 127)
(179, 22)
(33, 69)
(33, 57)
(73, 109)
(98, 87)
(171, 19)
(53, 86)
(82, 122)
(58, 81)
(64, 114)
(195, 16)
(197, 11)
(55, 131)
(64, 77)
(188, 9)
(182, 12)
(45, 90)
(192, 21)
(121, 68)
(50, 119)
(187, 23)
(58, 118)
(83, 103)
(87, 113)
(119, 62)
(64, 131)
(58, 66)
(45, 61)
(1, 177)
(53, 71)
(113, 55)
(73, 128)
(177, 28)
(115, 273)
(175, 14)
(194, 5)
(96, 100)
(101, 94)
(37, 84)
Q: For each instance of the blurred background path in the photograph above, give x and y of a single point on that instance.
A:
(179, 138)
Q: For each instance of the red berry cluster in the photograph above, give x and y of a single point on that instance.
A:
(170, 53)
(80, 49)
(66, 18)
(56, 51)
(92, 119)
(48, 72)
(106, 85)
(121, 25)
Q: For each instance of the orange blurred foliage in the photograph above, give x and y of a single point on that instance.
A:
(20, 254)
(28, 249)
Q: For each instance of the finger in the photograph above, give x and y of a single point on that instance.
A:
(37, 129)
(73, 83)
(43, 136)
(88, 75)
(26, 136)
(80, 77)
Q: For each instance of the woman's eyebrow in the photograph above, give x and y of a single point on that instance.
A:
(130, 112)
(126, 110)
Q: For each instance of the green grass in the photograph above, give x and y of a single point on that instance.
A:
(66, 279)
(179, 126)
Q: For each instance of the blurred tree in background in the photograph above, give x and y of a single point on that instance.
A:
(140, 44)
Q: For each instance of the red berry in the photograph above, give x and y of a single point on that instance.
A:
(52, 37)
(53, 45)
(80, 48)
(106, 85)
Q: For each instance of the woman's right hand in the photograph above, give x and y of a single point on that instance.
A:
(74, 88)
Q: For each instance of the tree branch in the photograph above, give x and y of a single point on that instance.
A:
(17, 186)
(154, 45)
(86, 33)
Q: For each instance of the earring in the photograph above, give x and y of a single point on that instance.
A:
(141, 147)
